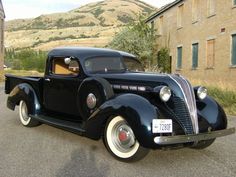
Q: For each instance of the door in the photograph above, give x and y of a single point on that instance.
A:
(61, 85)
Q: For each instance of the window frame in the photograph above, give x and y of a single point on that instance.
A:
(160, 25)
(179, 66)
(51, 73)
(234, 3)
(233, 58)
(214, 53)
(195, 11)
(211, 4)
(197, 59)
(180, 16)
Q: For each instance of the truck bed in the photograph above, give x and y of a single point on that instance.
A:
(12, 81)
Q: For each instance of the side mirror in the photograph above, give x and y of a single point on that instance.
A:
(67, 61)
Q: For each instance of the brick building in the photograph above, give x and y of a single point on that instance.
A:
(2, 17)
(201, 35)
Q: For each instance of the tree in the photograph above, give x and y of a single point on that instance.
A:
(137, 38)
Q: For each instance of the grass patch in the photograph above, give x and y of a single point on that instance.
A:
(225, 98)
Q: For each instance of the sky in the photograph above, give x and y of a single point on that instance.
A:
(15, 9)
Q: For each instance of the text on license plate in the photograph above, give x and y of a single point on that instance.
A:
(162, 126)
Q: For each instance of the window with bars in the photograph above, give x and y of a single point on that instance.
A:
(179, 57)
(211, 53)
(233, 59)
(195, 55)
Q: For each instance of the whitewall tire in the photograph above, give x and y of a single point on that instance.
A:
(121, 142)
(24, 116)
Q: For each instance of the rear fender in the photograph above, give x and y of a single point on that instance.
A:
(24, 92)
(136, 110)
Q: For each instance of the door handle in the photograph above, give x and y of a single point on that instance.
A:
(47, 79)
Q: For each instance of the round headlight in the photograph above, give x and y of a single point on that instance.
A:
(201, 93)
(165, 93)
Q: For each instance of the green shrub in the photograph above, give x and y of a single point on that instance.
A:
(26, 59)
(163, 60)
(225, 98)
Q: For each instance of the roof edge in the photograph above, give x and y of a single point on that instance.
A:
(162, 10)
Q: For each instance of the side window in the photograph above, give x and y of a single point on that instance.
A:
(65, 66)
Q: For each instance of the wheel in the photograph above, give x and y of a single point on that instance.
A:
(92, 94)
(203, 144)
(24, 116)
(120, 141)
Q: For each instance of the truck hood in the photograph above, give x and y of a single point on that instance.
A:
(149, 80)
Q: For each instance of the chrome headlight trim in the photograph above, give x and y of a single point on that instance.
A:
(202, 93)
(165, 93)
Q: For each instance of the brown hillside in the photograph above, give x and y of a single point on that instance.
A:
(91, 25)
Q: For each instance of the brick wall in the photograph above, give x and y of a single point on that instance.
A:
(219, 25)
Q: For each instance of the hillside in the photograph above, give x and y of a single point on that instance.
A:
(91, 25)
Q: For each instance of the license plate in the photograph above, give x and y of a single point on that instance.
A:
(162, 126)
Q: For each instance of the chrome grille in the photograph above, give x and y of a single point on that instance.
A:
(182, 115)
(189, 98)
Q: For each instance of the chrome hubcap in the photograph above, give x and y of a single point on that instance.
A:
(91, 101)
(123, 137)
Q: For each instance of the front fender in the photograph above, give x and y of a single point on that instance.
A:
(136, 110)
(211, 115)
(24, 92)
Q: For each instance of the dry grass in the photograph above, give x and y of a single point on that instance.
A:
(225, 98)
(223, 93)
(220, 84)
(105, 35)
(101, 19)
(90, 42)
(22, 72)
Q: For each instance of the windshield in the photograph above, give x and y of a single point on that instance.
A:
(112, 64)
(133, 65)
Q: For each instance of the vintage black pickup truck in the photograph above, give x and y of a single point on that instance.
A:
(103, 93)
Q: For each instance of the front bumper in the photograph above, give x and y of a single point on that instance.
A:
(168, 140)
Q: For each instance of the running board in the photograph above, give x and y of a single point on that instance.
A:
(73, 127)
